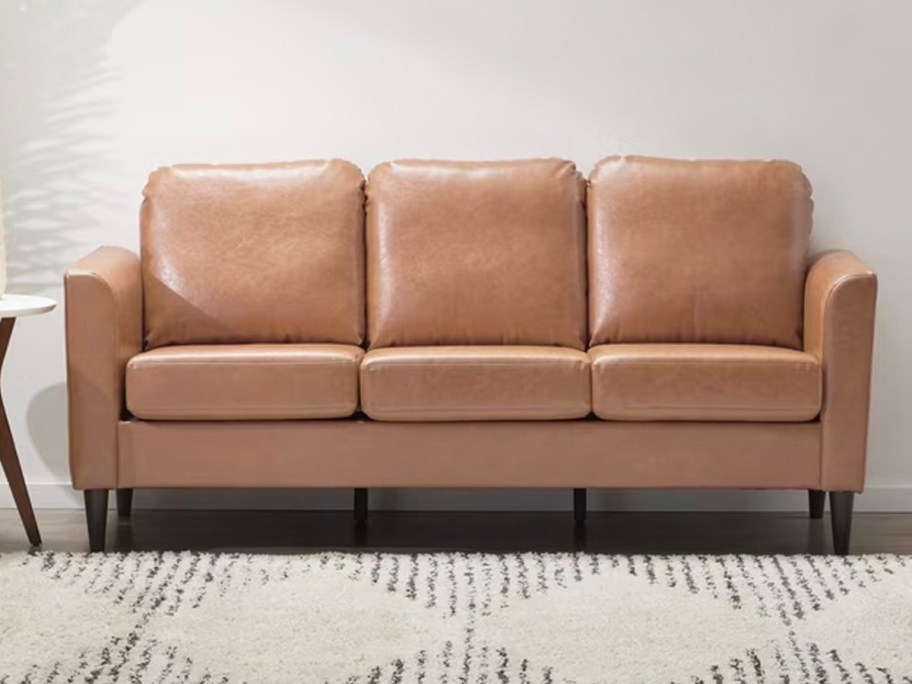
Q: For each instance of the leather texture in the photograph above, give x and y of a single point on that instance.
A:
(697, 251)
(365, 453)
(103, 330)
(475, 383)
(244, 382)
(704, 382)
(476, 253)
(256, 253)
(840, 303)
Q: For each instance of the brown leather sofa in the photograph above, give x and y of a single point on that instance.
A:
(454, 324)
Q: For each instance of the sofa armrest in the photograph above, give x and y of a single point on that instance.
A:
(103, 330)
(839, 303)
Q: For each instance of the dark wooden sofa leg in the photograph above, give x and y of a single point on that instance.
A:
(816, 502)
(361, 506)
(96, 505)
(841, 504)
(579, 507)
(124, 503)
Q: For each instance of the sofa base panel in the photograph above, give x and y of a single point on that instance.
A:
(573, 454)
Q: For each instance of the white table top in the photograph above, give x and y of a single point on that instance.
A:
(12, 305)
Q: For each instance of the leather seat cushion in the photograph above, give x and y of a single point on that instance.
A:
(244, 382)
(475, 383)
(704, 382)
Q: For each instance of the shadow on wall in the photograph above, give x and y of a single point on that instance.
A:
(48, 433)
(53, 80)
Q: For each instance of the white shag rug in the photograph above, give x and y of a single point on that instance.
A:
(456, 618)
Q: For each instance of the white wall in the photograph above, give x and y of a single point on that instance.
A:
(96, 93)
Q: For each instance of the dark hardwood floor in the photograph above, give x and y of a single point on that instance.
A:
(410, 532)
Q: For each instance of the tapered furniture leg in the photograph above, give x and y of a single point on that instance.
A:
(96, 505)
(124, 503)
(8, 456)
(816, 501)
(841, 504)
(579, 507)
(361, 506)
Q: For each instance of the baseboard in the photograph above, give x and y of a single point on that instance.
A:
(876, 499)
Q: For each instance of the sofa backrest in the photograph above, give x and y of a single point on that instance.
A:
(476, 253)
(697, 251)
(254, 253)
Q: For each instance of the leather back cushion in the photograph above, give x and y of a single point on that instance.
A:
(476, 253)
(697, 251)
(259, 253)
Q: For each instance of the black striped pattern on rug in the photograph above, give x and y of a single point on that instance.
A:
(455, 618)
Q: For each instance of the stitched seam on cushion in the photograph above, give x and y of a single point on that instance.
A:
(479, 365)
(464, 409)
(656, 407)
(381, 414)
(217, 362)
(157, 365)
(170, 409)
(271, 406)
(802, 365)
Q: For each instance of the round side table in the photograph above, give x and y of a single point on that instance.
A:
(11, 307)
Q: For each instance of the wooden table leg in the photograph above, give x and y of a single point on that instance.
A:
(8, 456)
